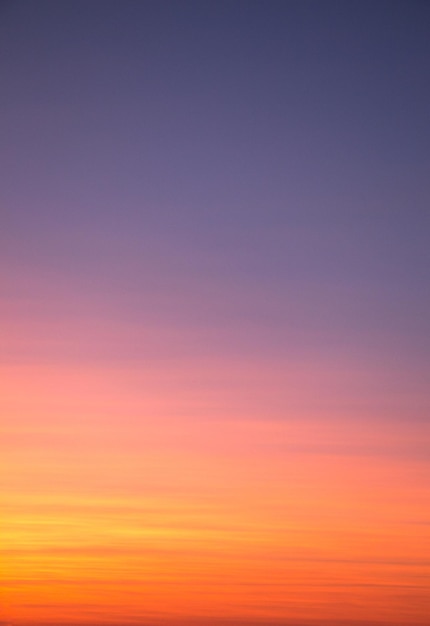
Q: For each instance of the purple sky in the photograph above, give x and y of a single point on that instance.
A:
(276, 149)
(230, 195)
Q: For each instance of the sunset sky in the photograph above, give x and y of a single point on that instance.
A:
(215, 313)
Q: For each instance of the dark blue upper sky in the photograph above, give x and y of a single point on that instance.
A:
(215, 310)
(271, 156)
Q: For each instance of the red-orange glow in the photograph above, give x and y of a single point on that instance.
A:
(121, 505)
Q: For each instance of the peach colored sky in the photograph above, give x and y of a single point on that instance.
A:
(214, 403)
(194, 486)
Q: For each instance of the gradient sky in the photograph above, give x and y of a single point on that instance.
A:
(215, 305)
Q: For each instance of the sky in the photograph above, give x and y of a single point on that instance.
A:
(215, 305)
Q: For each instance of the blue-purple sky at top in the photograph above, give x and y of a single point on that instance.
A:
(257, 168)
(215, 312)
